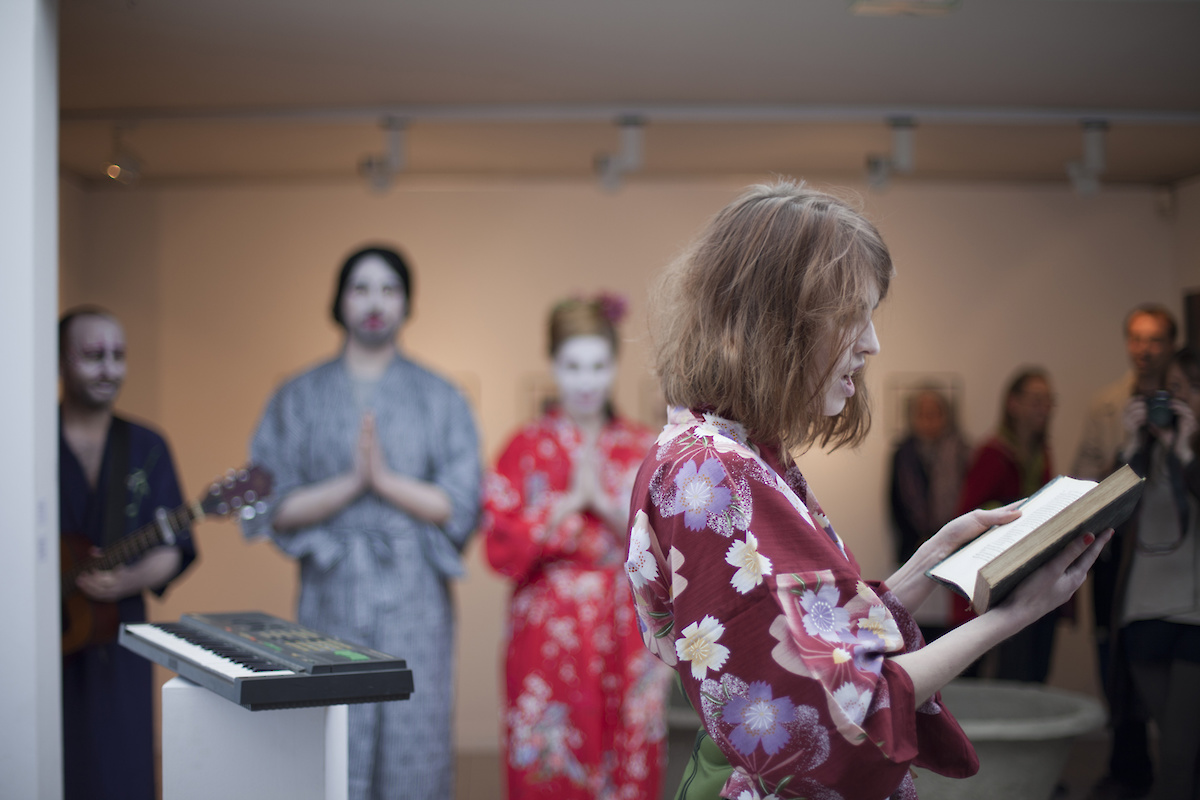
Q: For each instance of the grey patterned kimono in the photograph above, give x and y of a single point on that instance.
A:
(372, 573)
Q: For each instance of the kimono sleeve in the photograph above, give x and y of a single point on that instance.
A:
(165, 493)
(780, 644)
(280, 446)
(456, 470)
(517, 503)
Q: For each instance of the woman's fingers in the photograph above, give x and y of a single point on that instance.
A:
(1059, 578)
(965, 528)
(1092, 545)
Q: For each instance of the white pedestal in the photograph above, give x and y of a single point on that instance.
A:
(213, 748)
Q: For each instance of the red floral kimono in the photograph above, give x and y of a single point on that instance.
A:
(585, 702)
(744, 588)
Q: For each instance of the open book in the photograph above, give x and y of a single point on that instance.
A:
(985, 570)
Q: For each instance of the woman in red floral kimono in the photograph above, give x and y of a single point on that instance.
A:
(810, 681)
(584, 716)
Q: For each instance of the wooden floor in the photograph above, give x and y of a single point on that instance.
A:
(479, 775)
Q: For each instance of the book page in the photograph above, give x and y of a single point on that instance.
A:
(962, 567)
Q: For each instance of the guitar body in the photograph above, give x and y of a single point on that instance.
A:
(90, 622)
(85, 621)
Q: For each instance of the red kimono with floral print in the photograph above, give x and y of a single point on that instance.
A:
(585, 703)
(745, 589)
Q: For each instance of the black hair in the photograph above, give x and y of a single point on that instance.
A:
(390, 257)
(72, 314)
(1187, 360)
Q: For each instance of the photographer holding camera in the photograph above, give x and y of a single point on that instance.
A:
(1156, 612)
(1150, 331)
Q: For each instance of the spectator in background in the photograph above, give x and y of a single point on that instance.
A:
(1157, 603)
(927, 474)
(1013, 464)
(927, 471)
(1150, 332)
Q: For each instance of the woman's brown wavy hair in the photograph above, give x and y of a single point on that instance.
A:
(765, 299)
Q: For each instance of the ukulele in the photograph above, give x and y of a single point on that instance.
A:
(86, 621)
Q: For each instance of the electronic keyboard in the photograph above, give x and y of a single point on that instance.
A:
(261, 662)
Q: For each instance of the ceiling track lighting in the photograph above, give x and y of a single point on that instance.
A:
(124, 167)
(901, 161)
(612, 166)
(1085, 173)
(380, 169)
(903, 8)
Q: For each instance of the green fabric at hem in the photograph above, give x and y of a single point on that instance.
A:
(706, 772)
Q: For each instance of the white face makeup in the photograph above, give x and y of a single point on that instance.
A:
(584, 369)
(850, 360)
(93, 366)
(373, 304)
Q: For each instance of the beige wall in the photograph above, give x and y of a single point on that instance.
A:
(1185, 210)
(225, 290)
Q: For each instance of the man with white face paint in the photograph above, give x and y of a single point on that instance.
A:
(376, 466)
(113, 477)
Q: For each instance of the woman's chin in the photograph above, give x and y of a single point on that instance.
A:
(834, 406)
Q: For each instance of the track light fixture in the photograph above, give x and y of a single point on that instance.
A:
(610, 167)
(123, 167)
(900, 161)
(381, 169)
(1085, 174)
(903, 8)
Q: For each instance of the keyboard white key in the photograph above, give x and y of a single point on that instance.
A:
(199, 655)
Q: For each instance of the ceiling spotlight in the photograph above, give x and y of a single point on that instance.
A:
(611, 166)
(381, 169)
(901, 161)
(124, 167)
(879, 171)
(903, 8)
(1085, 173)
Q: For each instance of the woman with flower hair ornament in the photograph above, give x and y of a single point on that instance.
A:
(810, 682)
(585, 703)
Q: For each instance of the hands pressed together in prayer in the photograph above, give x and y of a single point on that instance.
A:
(314, 503)
(586, 492)
(370, 468)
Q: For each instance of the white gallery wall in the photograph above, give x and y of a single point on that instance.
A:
(225, 290)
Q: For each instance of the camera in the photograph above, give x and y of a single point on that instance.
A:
(1158, 410)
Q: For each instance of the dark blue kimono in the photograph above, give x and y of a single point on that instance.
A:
(108, 749)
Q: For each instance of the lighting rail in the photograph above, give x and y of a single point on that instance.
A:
(482, 113)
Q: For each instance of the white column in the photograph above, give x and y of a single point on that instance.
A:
(30, 717)
(212, 747)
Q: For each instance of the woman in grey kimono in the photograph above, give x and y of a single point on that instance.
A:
(377, 488)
